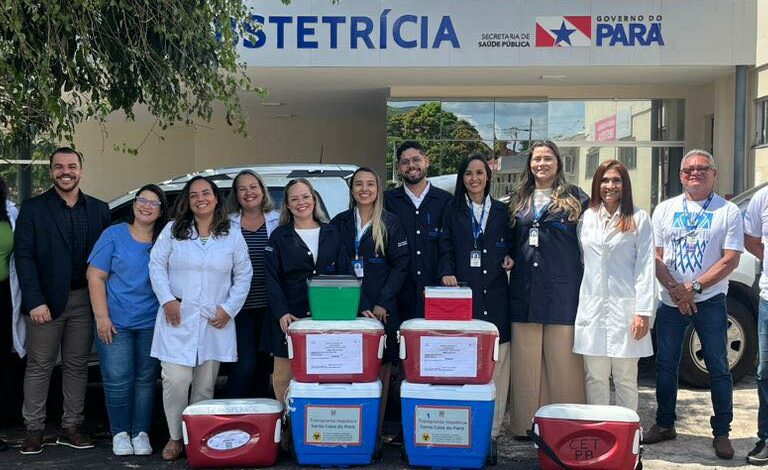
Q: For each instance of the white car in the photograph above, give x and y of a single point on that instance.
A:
(329, 180)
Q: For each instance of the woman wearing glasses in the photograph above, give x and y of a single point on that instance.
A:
(544, 287)
(617, 298)
(304, 245)
(201, 274)
(125, 308)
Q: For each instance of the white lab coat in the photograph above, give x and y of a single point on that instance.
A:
(18, 325)
(619, 282)
(203, 276)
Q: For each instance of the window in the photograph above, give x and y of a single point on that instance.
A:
(593, 161)
(761, 123)
(628, 156)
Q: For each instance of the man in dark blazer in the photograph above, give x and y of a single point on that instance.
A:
(54, 235)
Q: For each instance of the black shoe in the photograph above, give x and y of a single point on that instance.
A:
(397, 440)
(74, 438)
(658, 434)
(758, 455)
(723, 447)
(3, 445)
(33, 443)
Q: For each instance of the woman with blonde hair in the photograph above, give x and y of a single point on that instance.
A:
(377, 246)
(544, 287)
(612, 327)
(252, 213)
(304, 245)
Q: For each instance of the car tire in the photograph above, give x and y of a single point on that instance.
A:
(742, 344)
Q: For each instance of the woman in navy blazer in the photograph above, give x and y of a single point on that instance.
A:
(544, 287)
(376, 243)
(473, 250)
(304, 245)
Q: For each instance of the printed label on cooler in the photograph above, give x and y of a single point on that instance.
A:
(448, 356)
(443, 426)
(228, 440)
(325, 425)
(335, 353)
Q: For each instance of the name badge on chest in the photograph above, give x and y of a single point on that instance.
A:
(475, 259)
(358, 267)
(533, 236)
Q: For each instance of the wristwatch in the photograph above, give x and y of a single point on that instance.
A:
(697, 287)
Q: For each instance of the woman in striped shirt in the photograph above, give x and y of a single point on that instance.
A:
(252, 213)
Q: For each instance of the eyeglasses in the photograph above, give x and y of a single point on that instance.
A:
(148, 202)
(695, 169)
(408, 161)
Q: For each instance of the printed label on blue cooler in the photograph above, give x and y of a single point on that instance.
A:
(325, 425)
(335, 354)
(443, 426)
(448, 357)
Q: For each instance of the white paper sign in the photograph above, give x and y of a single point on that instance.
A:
(333, 425)
(443, 426)
(335, 354)
(448, 357)
(228, 440)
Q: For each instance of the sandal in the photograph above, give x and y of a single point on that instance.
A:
(172, 450)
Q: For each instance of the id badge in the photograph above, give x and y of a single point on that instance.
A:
(533, 236)
(357, 266)
(475, 259)
(690, 244)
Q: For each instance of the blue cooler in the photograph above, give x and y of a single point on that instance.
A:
(334, 425)
(447, 426)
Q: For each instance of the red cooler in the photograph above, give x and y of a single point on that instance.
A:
(336, 351)
(589, 436)
(448, 303)
(232, 433)
(448, 352)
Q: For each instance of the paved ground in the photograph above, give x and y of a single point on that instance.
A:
(692, 450)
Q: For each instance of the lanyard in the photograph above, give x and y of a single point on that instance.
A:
(358, 236)
(477, 227)
(538, 213)
(693, 225)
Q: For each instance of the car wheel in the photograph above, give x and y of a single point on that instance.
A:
(742, 348)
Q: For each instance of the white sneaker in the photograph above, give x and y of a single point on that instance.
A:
(121, 444)
(141, 444)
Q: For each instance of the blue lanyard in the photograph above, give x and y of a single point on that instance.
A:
(477, 227)
(693, 225)
(538, 213)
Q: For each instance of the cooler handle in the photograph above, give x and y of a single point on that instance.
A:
(544, 447)
(496, 350)
(382, 343)
(402, 346)
(290, 346)
(278, 430)
(184, 433)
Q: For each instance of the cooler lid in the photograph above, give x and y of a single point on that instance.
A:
(235, 406)
(588, 413)
(337, 390)
(334, 280)
(359, 324)
(470, 326)
(486, 392)
(441, 292)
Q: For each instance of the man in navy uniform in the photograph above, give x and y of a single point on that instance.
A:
(419, 206)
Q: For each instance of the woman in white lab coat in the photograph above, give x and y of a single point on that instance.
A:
(201, 274)
(617, 298)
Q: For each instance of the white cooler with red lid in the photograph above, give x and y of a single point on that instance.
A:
(232, 433)
(588, 436)
(448, 303)
(448, 352)
(336, 351)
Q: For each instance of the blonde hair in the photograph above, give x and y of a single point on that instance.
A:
(563, 198)
(286, 216)
(378, 228)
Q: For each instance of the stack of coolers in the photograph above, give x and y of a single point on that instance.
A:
(334, 398)
(448, 395)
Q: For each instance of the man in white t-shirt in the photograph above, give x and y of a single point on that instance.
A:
(699, 239)
(755, 234)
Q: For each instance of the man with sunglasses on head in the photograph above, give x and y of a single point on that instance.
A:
(699, 240)
(55, 233)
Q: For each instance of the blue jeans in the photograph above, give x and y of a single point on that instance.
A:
(710, 322)
(129, 375)
(762, 371)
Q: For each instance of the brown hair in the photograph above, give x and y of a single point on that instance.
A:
(626, 205)
(185, 219)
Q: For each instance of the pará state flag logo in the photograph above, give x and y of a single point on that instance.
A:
(563, 31)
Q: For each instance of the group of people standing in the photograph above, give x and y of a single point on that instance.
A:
(223, 280)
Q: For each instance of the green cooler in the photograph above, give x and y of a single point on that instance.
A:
(334, 297)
